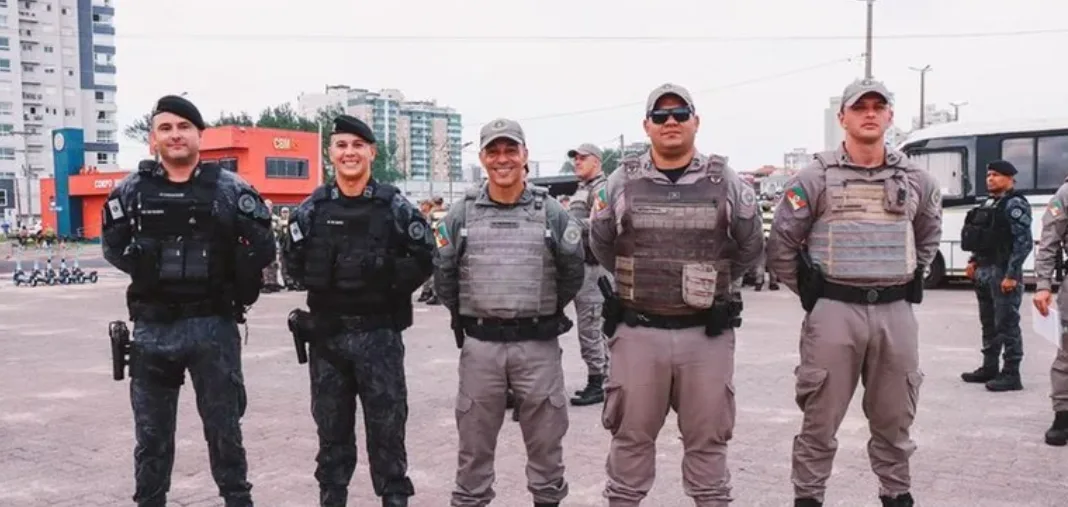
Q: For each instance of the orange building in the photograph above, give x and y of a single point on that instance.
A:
(282, 165)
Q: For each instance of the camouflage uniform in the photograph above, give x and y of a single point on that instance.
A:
(270, 273)
(174, 331)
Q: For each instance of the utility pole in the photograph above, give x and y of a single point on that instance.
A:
(868, 41)
(431, 148)
(956, 109)
(923, 93)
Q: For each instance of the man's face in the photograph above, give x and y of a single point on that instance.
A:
(175, 139)
(671, 125)
(586, 166)
(351, 155)
(997, 183)
(867, 120)
(503, 160)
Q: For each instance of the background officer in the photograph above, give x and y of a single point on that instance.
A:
(509, 260)
(194, 240)
(270, 273)
(361, 250)
(998, 233)
(587, 161)
(1050, 243)
(860, 322)
(664, 225)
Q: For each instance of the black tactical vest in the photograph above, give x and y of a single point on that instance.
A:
(986, 230)
(184, 256)
(348, 264)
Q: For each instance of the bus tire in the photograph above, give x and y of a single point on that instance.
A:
(936, 274)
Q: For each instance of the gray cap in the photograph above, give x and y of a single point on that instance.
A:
(586, 149)
(501, 127)
(862, 87)
(668, 89)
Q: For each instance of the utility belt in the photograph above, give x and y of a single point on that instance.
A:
(813, 285)
(312, 328)
(170, 312)
(516, 330)
(865, 295)
(723, 315)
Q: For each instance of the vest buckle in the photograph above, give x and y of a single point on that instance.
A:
(872, 296)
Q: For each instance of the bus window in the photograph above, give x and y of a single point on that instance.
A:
(1052, 161)
(1020, 152)
(945, 166)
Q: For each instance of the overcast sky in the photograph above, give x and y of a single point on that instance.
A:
(760, 86)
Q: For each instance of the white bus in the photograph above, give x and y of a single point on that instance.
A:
(957, 155)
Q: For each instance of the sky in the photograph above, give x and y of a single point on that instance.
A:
(762, 72)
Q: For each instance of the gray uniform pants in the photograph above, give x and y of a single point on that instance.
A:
(842, 343)
(535, 372)
(657, 370)
(1058, 373)
(588, 304)
(999, 317)
(210, 348)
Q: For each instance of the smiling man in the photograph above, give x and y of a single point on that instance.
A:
(852, 236)
(360, 249)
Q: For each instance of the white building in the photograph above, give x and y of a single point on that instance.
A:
(933, 116)
(57, 69)
(833, 135)
(795, 159)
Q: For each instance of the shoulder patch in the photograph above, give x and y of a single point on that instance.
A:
(441, 235)
(796, 197)
(936, 196)
(115, 209)
(748, 196)
(1055, 208)
(294, 232)
(1016, 213)
(572, 234)
(246, 203)
(600, 200)
(416, 230)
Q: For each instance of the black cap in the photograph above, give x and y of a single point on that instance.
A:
(180, 106)
(345, 124)
(1003, 167)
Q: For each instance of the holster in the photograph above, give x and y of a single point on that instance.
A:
(809, 281)
(725, 314)
(612, 309)
(914, 289)
(120, 348)
(308, 328)
(457, 326)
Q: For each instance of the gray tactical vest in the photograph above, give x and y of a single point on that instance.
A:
(864, 234)
(507, 266)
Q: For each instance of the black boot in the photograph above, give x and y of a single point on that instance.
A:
(243, 501)
(773, 286)
(433, 301)
(985, 373)
(592, 394)
(333, 497)
(395, 501)
(546, 504)
(904, 500)
(1007, 380)
(1058, 433)
(759, 286)
(425, 295)
(807, 502)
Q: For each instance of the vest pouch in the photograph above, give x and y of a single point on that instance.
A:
(319, 265)
(171, 261)
(699, 285)
(977, 233)
(197, 261)
(896, 195)
(350, 270)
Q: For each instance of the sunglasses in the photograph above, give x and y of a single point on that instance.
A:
(680, 114)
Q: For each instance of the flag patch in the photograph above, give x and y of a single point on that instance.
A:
(797, 198)
(1055, 208)
(600, 202)
(441, 235)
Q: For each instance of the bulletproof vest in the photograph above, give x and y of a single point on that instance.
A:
(985, 230)
(865, 233)
(187, 259)
(507, 262)
(347, 257)
(581, 206)
(673, 237)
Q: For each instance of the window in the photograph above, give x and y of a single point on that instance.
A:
(99, 95)
(102, 158)
(49, 70)
(6, 128)
(287, 168)
(105, 136)
(1021, 152)
(70, 112)
(5, 42)
(70, 72)
(6, 108)
(230, 164)
(64, 11)
(3, 21)
(7, 153)
(49, 49)
(5, 65)
(1052, 161)
(3, 198)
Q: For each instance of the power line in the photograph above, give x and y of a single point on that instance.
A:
(573, 38)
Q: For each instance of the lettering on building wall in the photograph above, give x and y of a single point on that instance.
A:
(105, 183)
(284, 143)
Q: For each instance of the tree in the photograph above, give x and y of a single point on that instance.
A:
(567, 168)
(139, 129)
(241, 119)
(384, 168)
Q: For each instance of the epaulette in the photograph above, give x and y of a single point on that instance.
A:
(147, 166)
(826, 159)
(322, 193)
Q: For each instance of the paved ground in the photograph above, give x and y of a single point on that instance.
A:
(66, 433)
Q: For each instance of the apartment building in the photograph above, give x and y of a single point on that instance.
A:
(57, 69)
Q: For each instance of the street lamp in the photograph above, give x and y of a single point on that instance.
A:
(923, 92)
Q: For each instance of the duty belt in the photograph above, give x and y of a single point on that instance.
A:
(864, 295)
(511, 330)
(170, 312)
(634, 319)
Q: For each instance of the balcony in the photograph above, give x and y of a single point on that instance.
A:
(109, 107)
(103, 28)
(32, 98)
(27, 16)
(33, 119)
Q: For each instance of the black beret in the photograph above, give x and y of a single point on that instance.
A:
(180, 106)
(345, 124)
(1002, 167)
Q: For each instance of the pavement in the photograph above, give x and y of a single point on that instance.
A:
(66, 431)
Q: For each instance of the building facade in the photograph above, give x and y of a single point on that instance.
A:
(422, 138)
(57, 69)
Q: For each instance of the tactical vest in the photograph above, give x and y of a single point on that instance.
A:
(507, 262)
(671, 245)
(865, 235)
(581, 207)
(986, 231)
(188, 259)
(348, 255)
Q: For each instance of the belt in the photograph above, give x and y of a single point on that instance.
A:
(634, 318)
(169, 312)
(864, 295)
(511, 330)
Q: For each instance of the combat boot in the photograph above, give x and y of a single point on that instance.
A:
(592, 394)
(546, 504)
(333, 497)
(759, 286)
(985, 373)
(1058, 433)
(903, 500)
(395, 501)
(807, 502)
(425, 295)
(773, 286)
(433, 301)
(1007, 380)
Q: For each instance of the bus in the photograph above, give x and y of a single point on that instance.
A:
(957, 155)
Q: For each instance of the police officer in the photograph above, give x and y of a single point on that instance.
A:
(194, 240)
(587, 161)
(1053, 239)
(509, 260)
(677, 228)
(360, 249)
(998, 233)
(860, 322)
(767, 213)
(270, 273)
